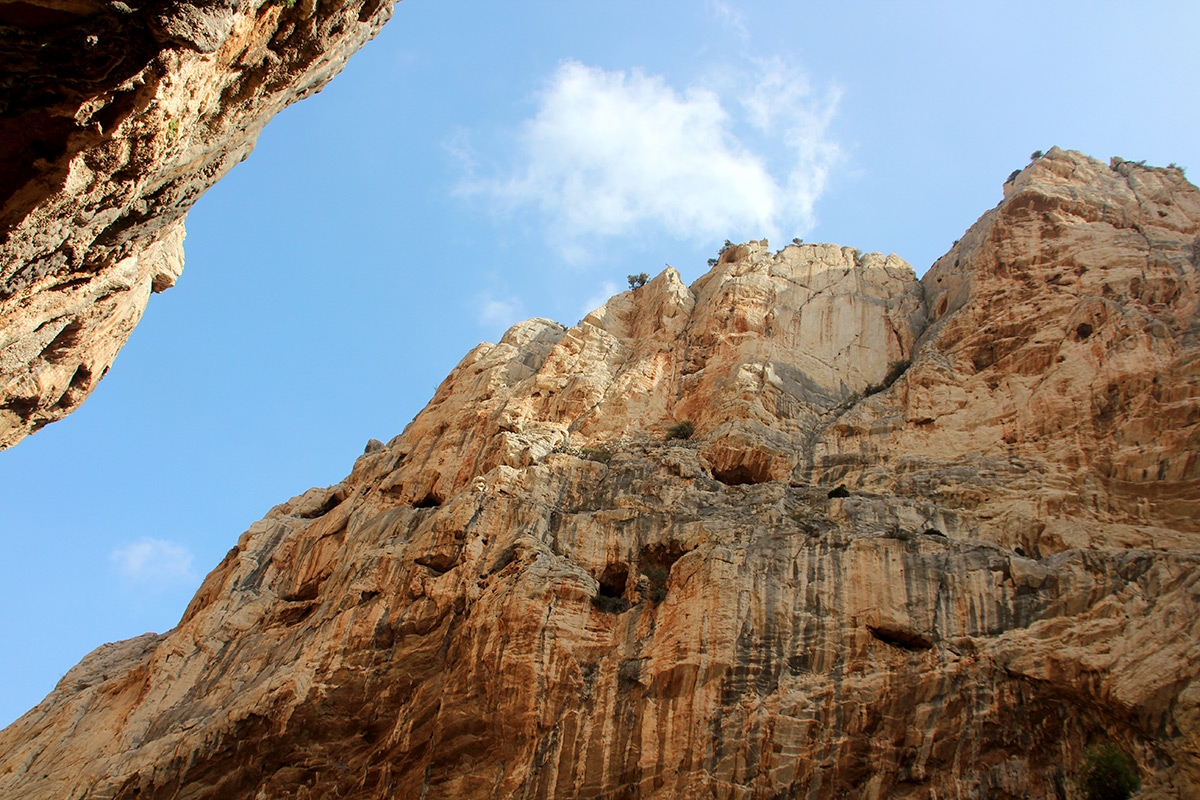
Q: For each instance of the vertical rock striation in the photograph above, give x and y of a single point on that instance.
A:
(1055, 397)
(856, 579)
(113, 121)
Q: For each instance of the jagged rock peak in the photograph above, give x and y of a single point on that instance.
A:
(113, 121)
(926, 539)
(755, 354)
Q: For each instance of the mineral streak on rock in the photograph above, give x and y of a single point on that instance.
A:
(531, 593)
(113, 121)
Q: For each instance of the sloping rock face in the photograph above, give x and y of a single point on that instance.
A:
(1053, 402)
(533, 592)
(113, 121)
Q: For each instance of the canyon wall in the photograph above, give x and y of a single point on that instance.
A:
(927, 539)
(113, 121)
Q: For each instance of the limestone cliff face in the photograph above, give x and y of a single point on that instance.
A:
(532, 593)
(1054, 401)
(113, 121)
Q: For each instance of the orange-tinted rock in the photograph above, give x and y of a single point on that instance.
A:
(531, 593)
(1054, 400)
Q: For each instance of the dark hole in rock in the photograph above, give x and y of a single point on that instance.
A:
(610, 598)
(79, 381)
(655, 562)
(840, 491)
(430, 500)
(740, 475)
(1020, 551)
(613, 580)
(294, 614)
(1083, 331)
(506, 557)
(23, 407)
(330, 504)
(905, 640)
(307, 591)
(933, 532)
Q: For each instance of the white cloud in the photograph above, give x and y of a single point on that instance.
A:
(153, 562)
(730, 17)
(619, 153)
(499, 312)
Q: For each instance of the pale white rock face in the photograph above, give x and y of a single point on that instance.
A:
(948, 581)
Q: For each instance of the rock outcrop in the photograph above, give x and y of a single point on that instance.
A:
(113, 121)
(928, 539)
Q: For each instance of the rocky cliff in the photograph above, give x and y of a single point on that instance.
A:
(928, 539)
(113, 121)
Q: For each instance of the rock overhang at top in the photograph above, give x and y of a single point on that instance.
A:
(114, 119)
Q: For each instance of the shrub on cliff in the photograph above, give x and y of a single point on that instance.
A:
(1109, 773)
(682, 430)
(607, 604)
(596, 454)
(658, 577)
(638, 281)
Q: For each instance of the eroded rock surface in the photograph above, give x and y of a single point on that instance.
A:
(113, 121)
(1055, 397)
(853, 580)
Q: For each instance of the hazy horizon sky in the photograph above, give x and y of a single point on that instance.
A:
(480, 163)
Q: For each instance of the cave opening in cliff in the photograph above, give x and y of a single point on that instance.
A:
(655, 562)
(905, 640)
(430, 500)
(611, 595)
(741, 475)
(613, 580)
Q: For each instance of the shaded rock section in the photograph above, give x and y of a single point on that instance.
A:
(113, 121)
(826, 591)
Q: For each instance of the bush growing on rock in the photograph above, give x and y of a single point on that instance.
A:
(607, 604)
(682, 430)
(596, 454)
(639, 280)
(1109, 773)
(658, 582)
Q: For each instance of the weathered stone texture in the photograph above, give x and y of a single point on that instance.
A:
(529, 593)
(1055, 397)
(112, 123)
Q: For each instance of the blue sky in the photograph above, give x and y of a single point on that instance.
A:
(484, 162)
